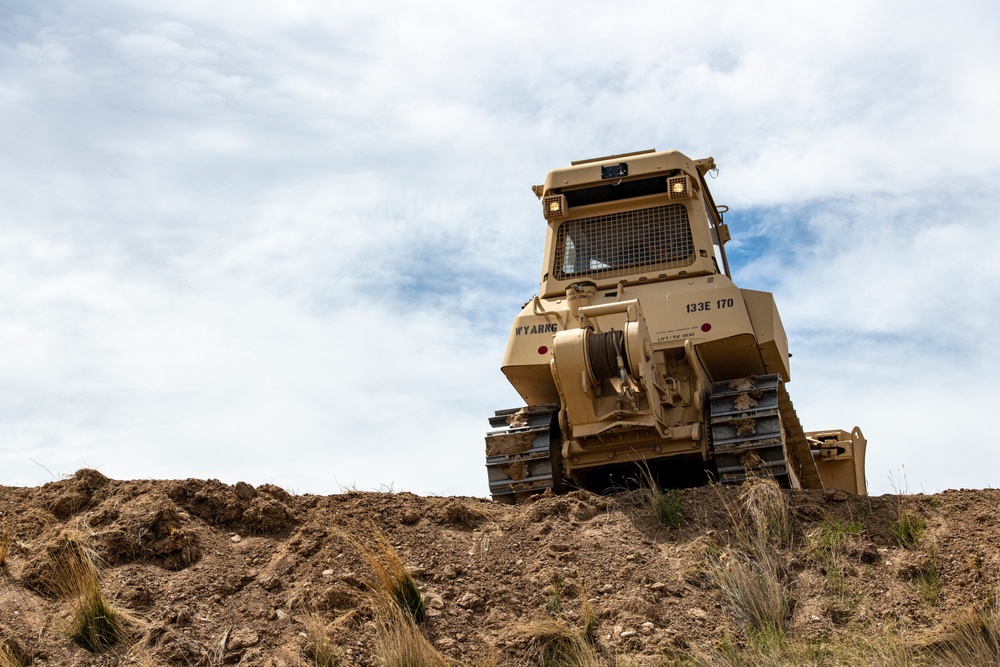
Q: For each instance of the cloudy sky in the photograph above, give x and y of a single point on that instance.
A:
(284, 242)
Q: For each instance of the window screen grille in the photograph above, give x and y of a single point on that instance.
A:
(618, 244)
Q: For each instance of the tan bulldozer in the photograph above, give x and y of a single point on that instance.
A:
(639, 350)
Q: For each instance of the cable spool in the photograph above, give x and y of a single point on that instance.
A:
(603, 352)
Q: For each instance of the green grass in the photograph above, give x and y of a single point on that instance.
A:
(666, 506)
(908, 527)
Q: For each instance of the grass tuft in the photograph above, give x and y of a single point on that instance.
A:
(322, 649)
(752, 592)
(393, 580)
(908, 526)
(95, 623)
(6, 537)
(770, 519)
(558, 644)
(665, 505)
(8, 658)
(973, 641)
(398, 640)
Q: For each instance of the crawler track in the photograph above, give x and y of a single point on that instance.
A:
(755, 432)
(519, 453)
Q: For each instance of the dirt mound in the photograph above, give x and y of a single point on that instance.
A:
(216, 574)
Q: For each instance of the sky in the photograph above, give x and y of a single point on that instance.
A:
(285, 242)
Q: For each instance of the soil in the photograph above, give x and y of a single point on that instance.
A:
(213, 574)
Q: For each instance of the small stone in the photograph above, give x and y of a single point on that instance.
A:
(445, 643)
(606, 588)
(433, 601)
(235, 538)
(280, 614)
(469, 600)
(698, 613)
(630, 557)
(327, 573)
(814, 617)
(658, 586)
(243, 638)
(627, 633)
(647, 628)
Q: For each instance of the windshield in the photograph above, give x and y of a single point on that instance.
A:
(618, 244)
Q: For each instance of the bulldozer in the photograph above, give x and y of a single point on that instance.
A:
(640, 353)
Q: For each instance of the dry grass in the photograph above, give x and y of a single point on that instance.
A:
(8, 658)
(973, 641)
(95, 624)
(752, 591)
(887, 649)
(748, 572)
(392, 578)
(398, 640)
(768, 519)
(6, 537)
(322, 649)
(558, 644)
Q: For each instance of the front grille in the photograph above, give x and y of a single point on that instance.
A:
(619, 244)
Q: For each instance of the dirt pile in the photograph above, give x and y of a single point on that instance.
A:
(212, 574)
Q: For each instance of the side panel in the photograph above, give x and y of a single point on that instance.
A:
(769, 331)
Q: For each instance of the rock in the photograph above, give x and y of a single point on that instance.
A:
(242, 638)
(433, 601)
(647, 628)
(606, 588)
(328, 573)
(469, 600)
(235, 538)
(698, 613)
(445, 643)
(625, 634)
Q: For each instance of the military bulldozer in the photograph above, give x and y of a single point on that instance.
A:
(639, 351)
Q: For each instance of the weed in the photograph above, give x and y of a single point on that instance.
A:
(393, 580)
(95, 624)
(553, 601)
(834, 534)
(6, 537)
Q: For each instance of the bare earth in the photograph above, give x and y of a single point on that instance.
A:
(217, 574)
